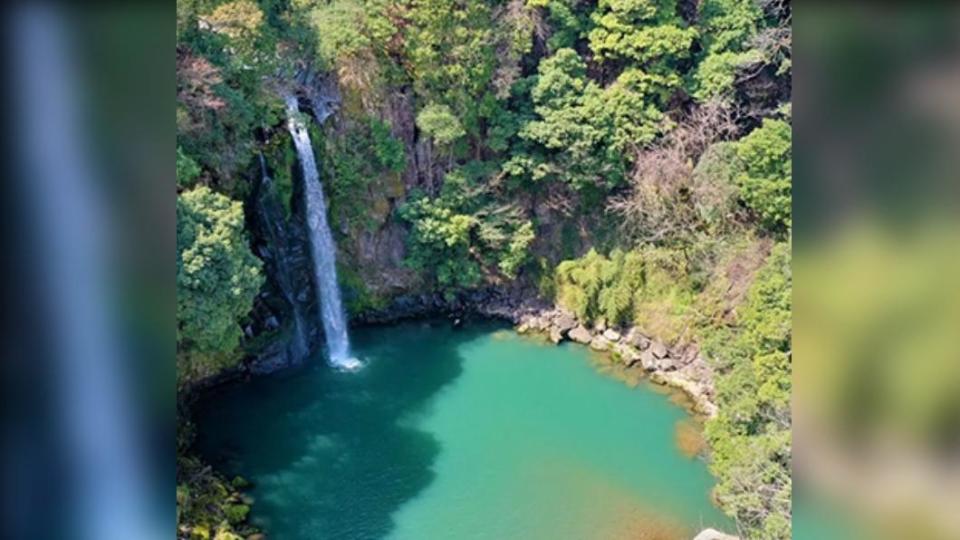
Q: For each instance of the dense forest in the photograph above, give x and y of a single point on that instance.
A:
(627, 160)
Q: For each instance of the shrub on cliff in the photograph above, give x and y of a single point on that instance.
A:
(750, 436)
(217, 280)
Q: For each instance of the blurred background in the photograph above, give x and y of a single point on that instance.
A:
(88, 204)
(877, 271)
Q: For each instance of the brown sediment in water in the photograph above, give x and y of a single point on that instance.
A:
(680, 398)
(643, 528)
(623, 516)
(688, 435)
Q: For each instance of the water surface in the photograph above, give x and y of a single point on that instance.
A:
(458, 433)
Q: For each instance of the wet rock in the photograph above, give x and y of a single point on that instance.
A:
(556, 336)
(600, 343)
(580, 334)
(628, 355)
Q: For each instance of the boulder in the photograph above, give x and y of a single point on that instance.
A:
(556, 336)
(669, 363)
(648, 360)
(659, 349)
(600, 343)
(523, 328)
(580, 334)
(628, 355)
(638, 340)
(564, 322)
(713, 534)
(611, 334)
(539, 323)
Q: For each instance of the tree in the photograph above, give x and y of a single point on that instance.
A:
(647, 32)
(438, 121)
(217, 279)
(239, 20)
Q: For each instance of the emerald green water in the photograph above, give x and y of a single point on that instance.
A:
(458, 433)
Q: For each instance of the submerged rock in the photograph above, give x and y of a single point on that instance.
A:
(628, 355)
(600, 343)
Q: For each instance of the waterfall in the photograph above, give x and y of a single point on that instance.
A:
(321, 245)
(271, 216)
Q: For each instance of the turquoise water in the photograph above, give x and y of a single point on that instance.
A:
(448, 433)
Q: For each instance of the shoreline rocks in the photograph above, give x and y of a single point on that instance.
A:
(684, 369)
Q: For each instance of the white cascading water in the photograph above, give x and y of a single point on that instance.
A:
(321, 245)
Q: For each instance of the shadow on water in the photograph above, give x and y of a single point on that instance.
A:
(330, 454)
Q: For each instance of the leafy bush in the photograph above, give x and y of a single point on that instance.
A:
(187, 169)
(365, 155)
(767, 174)
(217, 279)
(236, 513)
(750, 436)
(464, 234)
(439, 243)
(595, 286)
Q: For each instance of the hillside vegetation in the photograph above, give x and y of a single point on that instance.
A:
(629, 160)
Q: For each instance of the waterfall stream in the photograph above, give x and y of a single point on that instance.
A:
(322, 247)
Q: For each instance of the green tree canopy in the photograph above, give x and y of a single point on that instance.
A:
(767, 174)
(217, 277)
